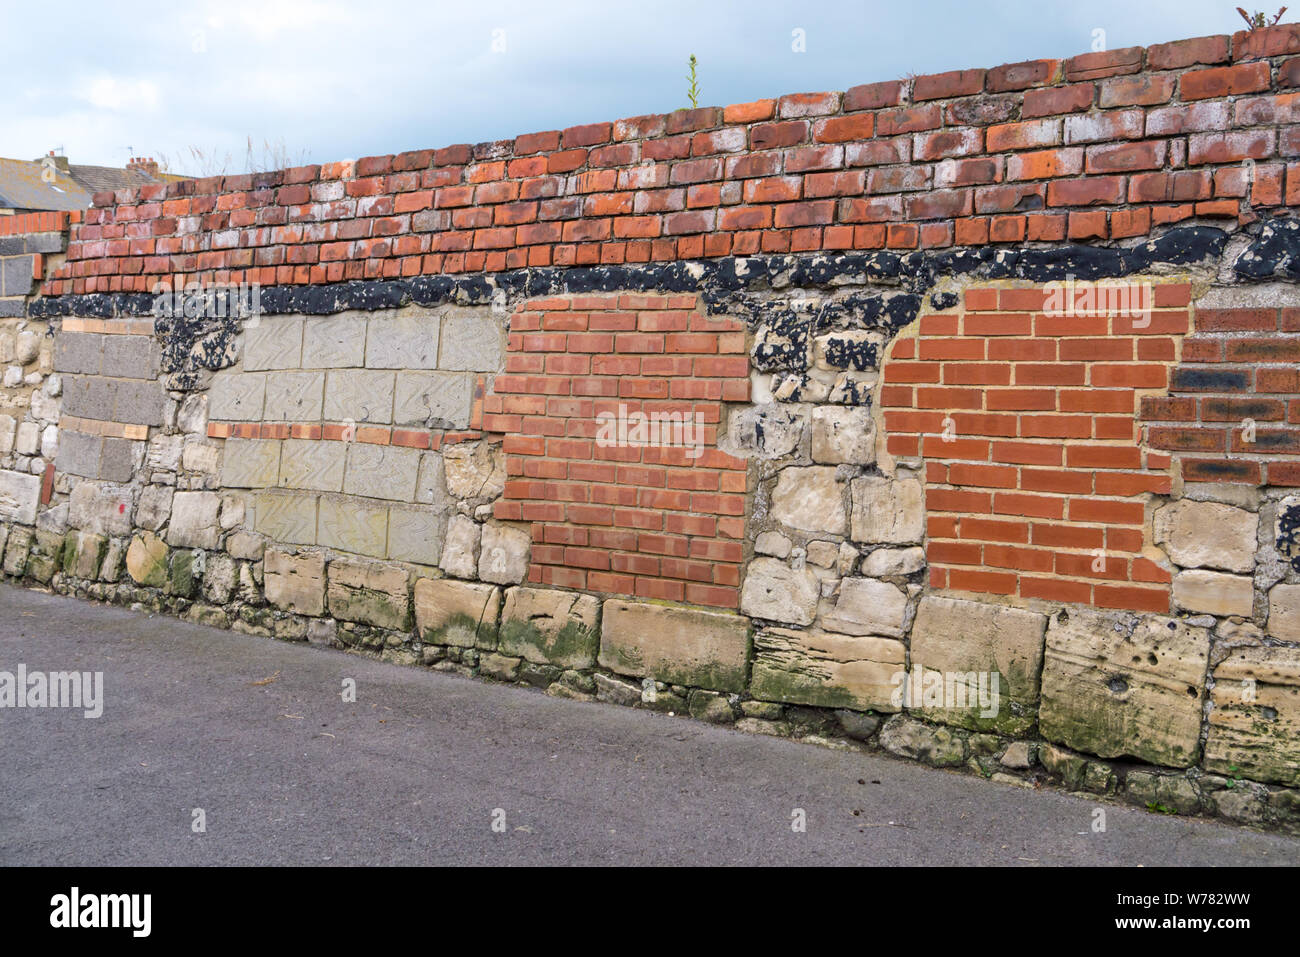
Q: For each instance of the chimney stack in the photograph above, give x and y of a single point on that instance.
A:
(144, 164)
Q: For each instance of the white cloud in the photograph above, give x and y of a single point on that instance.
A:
(110, 92)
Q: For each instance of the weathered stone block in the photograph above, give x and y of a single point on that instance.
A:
(810, 499)
(20, 493)
(359, 395)
(1255, 715)
(503, 554)
(315, 465)
(460, 552)
(868, 607)
(369, 592)
(1214, 593)
(1284, 612)
(1115, 684)
(105, 509)
(965, 638)
(703, 649)
(79, 352)
(1207, 535)
(17, 547)
(296, 583)
(843, 435)
(119, 458)
(194, 520)
(776, 592)
(402, 342)
(826, 670)
(250, 463)
(146, 560)
(548, 626)
(141, 402)
(351, 526)
(888, 511)
(79, 454)
(83, 554)
(474, 470)
(463, 614)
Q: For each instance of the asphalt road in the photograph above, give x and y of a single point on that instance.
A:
(415, 770)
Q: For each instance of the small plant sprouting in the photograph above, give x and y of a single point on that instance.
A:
(693, 91)
(1258, 20)
(1157, 808)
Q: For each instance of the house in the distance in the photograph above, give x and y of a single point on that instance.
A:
(53, 183)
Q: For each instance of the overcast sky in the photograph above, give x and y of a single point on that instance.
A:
(323, 80)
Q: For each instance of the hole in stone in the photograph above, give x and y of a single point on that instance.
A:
(1117, 685)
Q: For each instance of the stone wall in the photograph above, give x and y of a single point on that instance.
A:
(983, 377)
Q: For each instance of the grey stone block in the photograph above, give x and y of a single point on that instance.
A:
(236, 397)
(139, 402)
(16, 273)
(11, 245)
(250, 463)
(359, 395)
(286, 517)
(273, 343)
(471, 341)
(382, 471)
(130, 357)
(79, 352)
(119, 459)
(402, 342)
(89, 397)
(294, 397)
(351, 526)
(415, 535)
(433, 399)
(12, 308)
(336, 342)
(317, 466)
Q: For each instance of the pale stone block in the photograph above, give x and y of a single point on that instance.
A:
(888, 511)
(776, 592)
(275, 342)
(826, 670)
(359, 395)
(250, 463)
(1207, 535)
(334, 342)
(351, 526)
(704, 649)
(311, 464)
(471, 341)
(810, 499)
(1255, 717)
(294, 397)
(296, 583)
(286, 517)
(868, 607)
(415, 535)
(1284, 612)
(194, 520)
(461, 614)
(843, 435)
(402, 342)
(381, 471)
(369, 592)
(20, 494)
(1214, 593)
(504, 553)
(549, 626)
(236, 397)
(433, 399)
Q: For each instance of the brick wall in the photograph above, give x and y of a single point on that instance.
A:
(1099, 146)
(924, 443)
(624, 516)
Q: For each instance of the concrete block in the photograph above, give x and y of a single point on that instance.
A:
(286, 517)
(273, 343)
(359, 395)
(236, 397)
(131, 357)
(402, 342)
(381, 471)
(433, 399)
(294, 397)
(334, 342)
(314, 465)
(119, 459)
(415, 535)
(79, 352)
(79, 454)
(351, 526)
(250, 463)
(473, 341)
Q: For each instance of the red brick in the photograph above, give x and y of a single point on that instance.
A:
(1224, 81)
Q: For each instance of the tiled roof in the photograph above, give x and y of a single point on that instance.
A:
(21, 187)
(95, 178)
